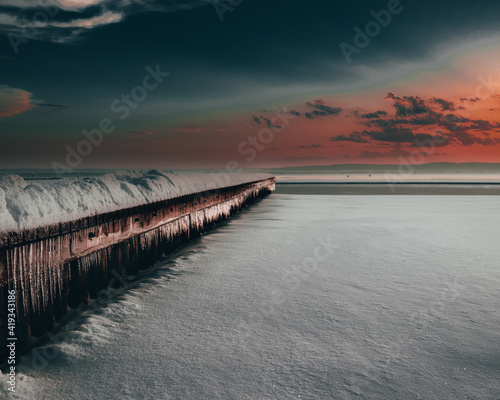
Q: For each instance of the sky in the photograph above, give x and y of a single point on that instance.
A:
(247, 83)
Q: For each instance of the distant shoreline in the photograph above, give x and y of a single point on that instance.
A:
(387, 183)
(384, 188)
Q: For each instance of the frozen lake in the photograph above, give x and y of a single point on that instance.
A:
(311, 297)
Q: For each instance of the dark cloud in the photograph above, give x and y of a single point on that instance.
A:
(481, 125)
(445, 104)
(51, 105)
(380, 123)
(256, 119)
(311, 146)
(401, 135)
(413, 112)
(376, 114)
(429, 119)
(473, 100)
(467, 139)
(51, 108)
(407, 106)
(270, 123)
(459, 127)
(321, 109)
(355, 137)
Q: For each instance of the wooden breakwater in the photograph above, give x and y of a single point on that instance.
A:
(55, 268)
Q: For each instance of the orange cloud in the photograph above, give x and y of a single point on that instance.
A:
(14, 101)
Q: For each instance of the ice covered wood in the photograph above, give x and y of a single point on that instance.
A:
(53, 269)
(31, 204)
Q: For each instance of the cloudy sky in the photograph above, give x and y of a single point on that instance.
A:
(203, 83)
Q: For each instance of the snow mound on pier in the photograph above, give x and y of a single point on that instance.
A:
(30, 204)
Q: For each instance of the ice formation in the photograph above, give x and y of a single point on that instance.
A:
(30, 204)
(40, 271)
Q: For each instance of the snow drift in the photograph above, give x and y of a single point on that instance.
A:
(30, 204)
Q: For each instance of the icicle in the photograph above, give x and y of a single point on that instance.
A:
(31, 274)
(51, 268)
(60, 267)
(86, 262)
(45, 275)
(24, 283)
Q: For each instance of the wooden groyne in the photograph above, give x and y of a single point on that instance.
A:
(55, 268)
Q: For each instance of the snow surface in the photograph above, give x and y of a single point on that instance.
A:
(30, 204)
(403, 305)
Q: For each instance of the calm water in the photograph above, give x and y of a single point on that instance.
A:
(311, 297)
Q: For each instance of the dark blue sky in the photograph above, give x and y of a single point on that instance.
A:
(264, 54)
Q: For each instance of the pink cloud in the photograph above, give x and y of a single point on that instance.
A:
(14, 101)
(90, 23)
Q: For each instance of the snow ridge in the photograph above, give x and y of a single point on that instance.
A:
(30, 204)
